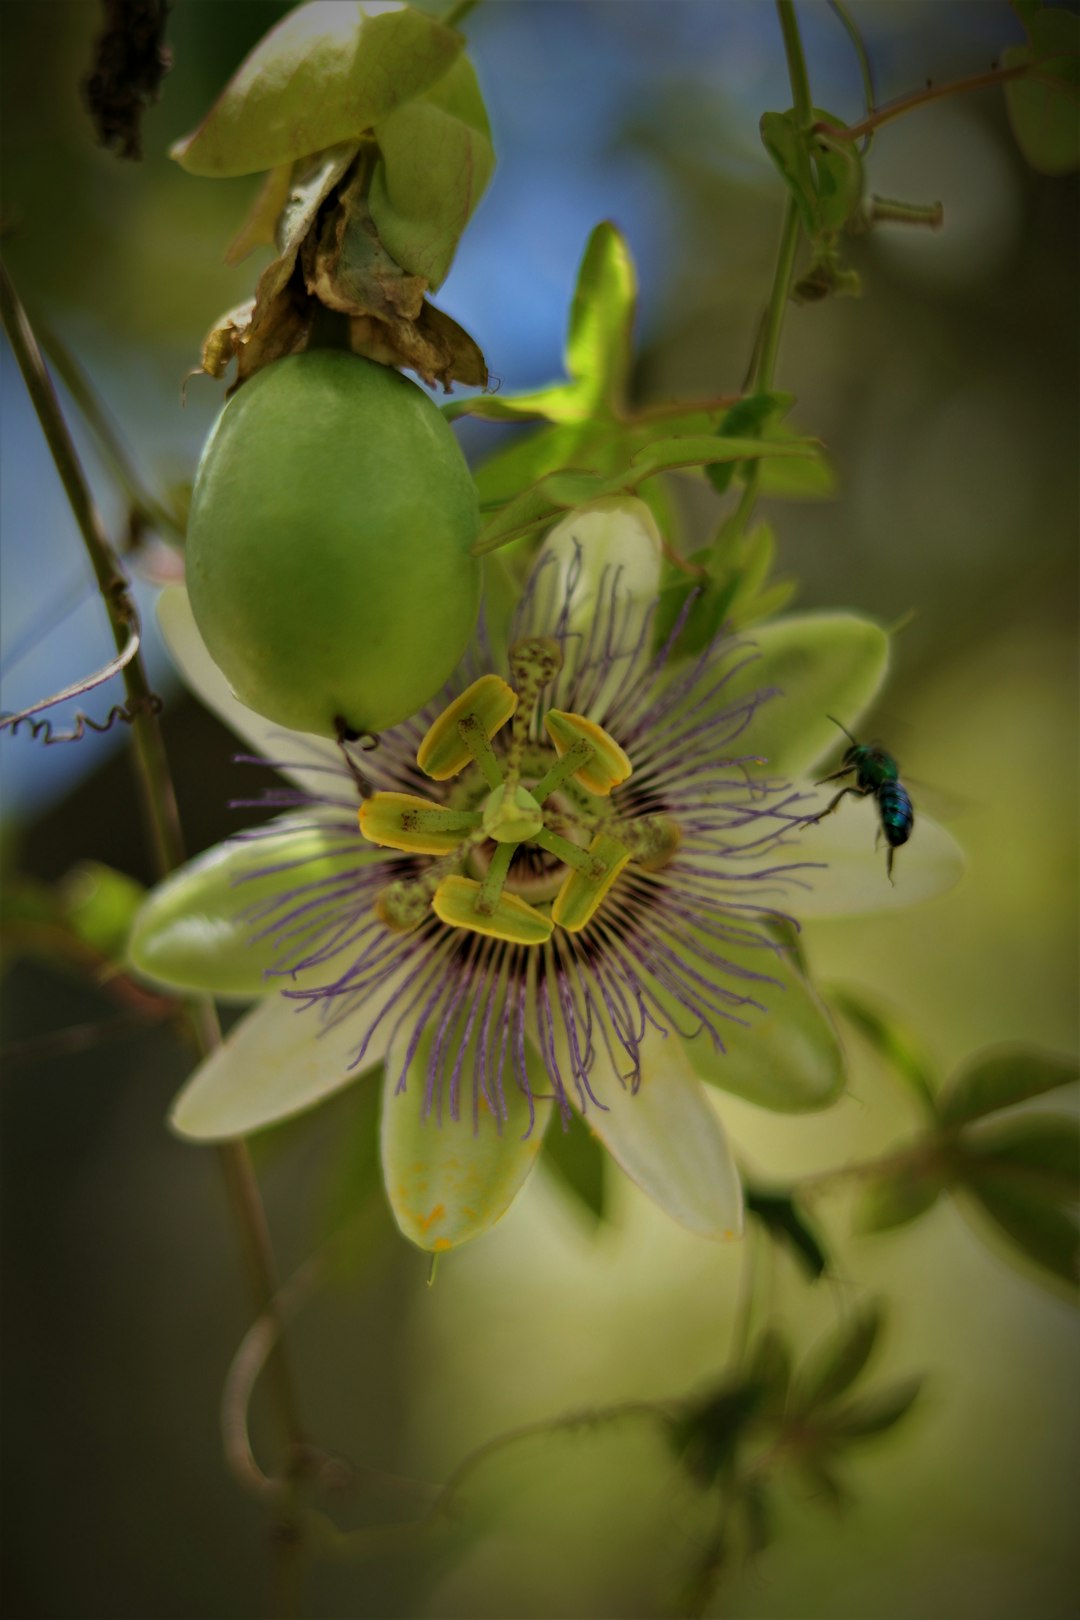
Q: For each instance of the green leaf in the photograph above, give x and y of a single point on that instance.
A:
(787, 146)
(877, 1413)
(436, 158)
(1044, 109)
(836, 1361)
(897, 1197)
(747, 419)
(812, 478)
(894, 1044)
(1037, 1153)
(706, 1436)
(577, 1161)
(326, 73)
(769, 1366)
(196, 931)
(1035, 1226)
(450, 1179)
(787, 1225)
(822, 664)
(99, 905)
(824, 175)
(839, 179)
(1000, 1078)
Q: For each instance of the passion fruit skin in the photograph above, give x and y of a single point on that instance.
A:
(328, 560)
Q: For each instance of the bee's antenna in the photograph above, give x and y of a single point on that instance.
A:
(843, 728)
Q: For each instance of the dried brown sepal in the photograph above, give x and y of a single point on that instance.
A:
(330, 257)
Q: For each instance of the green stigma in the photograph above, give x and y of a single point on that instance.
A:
(511, 815)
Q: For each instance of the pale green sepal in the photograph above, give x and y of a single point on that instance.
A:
(851, 879)
(278, 1061)
(450, 1179)
(602, 557)
(311, 763)
(326, 73)
(786, 1054)
(667, 1137)
(823, 664)
(195, 931)
(436, 158)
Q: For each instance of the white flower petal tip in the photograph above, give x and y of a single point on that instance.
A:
(852, 878)
(668, 1139)
(275, 1063)
(294, 750)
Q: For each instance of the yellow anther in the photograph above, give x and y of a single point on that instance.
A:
(605, 767)
(581, 893)
(512, 919)
(489, 703)
(404, 821)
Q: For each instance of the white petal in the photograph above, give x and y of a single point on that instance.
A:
(277, 1061)
(668, 1138)
(597, 576)
(852, 878)
(291, 751)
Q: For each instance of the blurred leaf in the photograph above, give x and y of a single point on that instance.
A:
(876, 1413)
(824, 175)
(354, 1172)
(1000, 1078)
(1039, 1154)
(1044, 110)
(326, 73)
(99, 906)
(787, 1225)
(894, 1044)
(769, 1366)
(825, 1482)
(706, 1435)
(601, 319)
(836, 1361)
(436, 158)
(577, 1159)
(1043, 1233)
(787, 146)
(758, 1516)
(811, 479)
(898, 1196)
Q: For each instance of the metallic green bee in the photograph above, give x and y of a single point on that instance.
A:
(877, 774)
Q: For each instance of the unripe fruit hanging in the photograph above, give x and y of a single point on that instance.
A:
(328, 558)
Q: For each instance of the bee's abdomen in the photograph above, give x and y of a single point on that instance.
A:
(897, 816)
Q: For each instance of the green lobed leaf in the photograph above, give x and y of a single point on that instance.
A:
(1044, 109)
(1001, 1078)
(897, 1197)
(576, 1159)
(836, 1361)
(436, 158)
(326, 73)
(450, 1179)
(1037, 1154)
(196, 930)
(822, 664)
(877, 1413)
(1035, 1226)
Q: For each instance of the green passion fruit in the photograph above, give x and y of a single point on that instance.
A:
(328, 560)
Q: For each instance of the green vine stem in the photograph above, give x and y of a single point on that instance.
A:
(158, 801)
(796, 63)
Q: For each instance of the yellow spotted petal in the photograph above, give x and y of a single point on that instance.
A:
(606, 767)
(512, 918)
(406, 821)
(582, 890)
(443, 752)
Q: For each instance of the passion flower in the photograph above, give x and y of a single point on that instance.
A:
(328, 558)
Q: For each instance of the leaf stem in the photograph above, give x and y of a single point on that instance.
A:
(796, 63)
(778, 300)
(457, 14)
(157, 796)
(920, 98)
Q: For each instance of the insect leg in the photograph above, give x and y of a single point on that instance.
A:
(831, 806)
